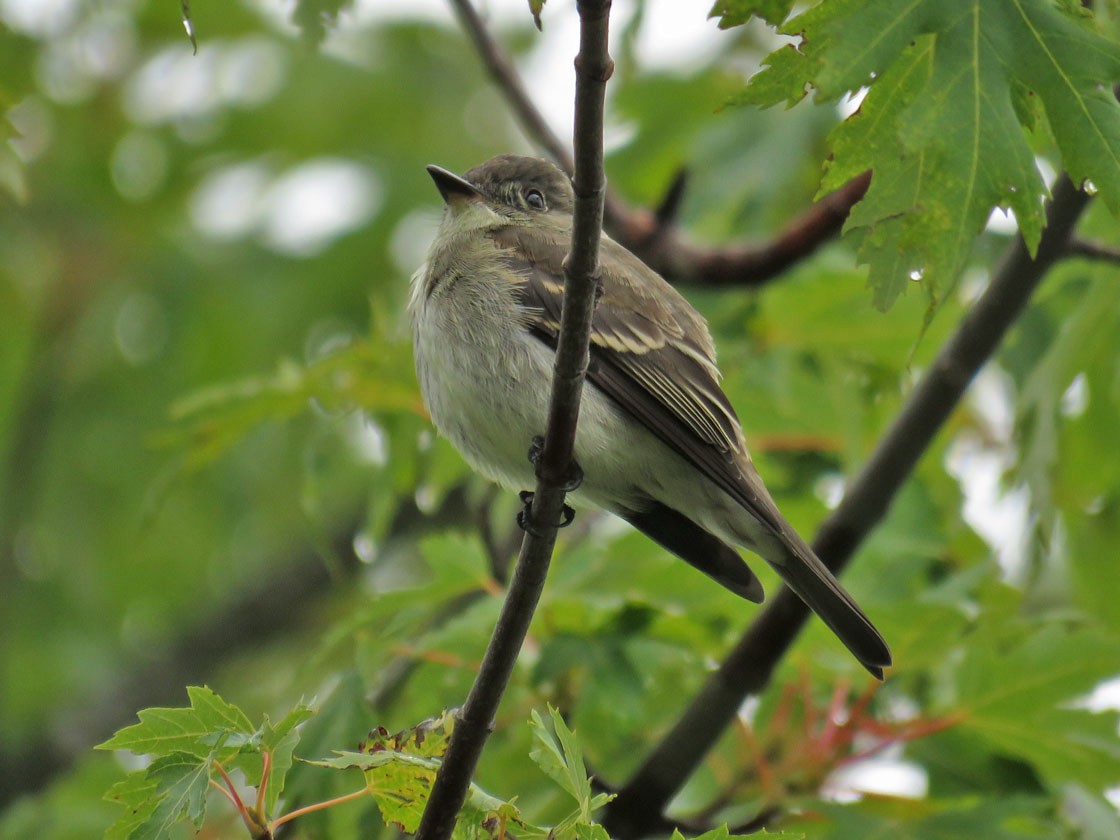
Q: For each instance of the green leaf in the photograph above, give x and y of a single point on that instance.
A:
(372, 375)
(280, 741)
(1070, 68)
(1083, 338)
(400, 783)
(719, 833)
(536, 7)
(186, 743)
(737, 12)
(399, 770)
(138, 794)
(561, 757)
(942, 125)
(208, 723)
(1017, 696)
(173, 787)
(588, 831)
(184, 781)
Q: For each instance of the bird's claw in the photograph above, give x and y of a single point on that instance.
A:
(525, 515)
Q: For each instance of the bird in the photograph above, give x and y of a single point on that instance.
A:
(657, 441)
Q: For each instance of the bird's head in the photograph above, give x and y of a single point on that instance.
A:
(507, 189)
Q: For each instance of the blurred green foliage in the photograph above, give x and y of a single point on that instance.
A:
(215, 467)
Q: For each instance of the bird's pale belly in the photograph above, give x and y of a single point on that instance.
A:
(487, 389)
(490, 411)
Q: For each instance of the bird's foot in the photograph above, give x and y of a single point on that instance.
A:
(525, 515)
(571, 481)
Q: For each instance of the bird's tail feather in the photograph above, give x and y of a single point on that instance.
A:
(814, 584)
(790, 557)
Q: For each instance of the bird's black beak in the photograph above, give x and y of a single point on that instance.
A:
(451, 186)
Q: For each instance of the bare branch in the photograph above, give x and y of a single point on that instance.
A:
(501, 69)
(747, 669)
(581, 268)
(1092, 250)
(659, 244)
(669, 253)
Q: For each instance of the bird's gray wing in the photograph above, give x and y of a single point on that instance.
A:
(650, 352)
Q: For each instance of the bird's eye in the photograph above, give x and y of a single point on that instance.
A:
(535, 199)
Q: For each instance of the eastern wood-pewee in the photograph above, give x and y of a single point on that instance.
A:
(657, 440)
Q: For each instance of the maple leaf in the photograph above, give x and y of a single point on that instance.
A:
(953, 88)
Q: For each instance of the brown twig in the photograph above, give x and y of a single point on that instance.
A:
(660, 245)
(501, 70)
(669, 253)
(593, 68)
(1092, 250)
(747, 669)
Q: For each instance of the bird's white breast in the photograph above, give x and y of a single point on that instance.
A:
(486, 381)
(482, 378)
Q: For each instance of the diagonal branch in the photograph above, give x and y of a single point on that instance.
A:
(665, 249)
(593, 68)
(501, 69)
(1091, 250)
(747, 669)
(659, 244)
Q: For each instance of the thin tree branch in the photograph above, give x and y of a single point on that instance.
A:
(593, 68)
(668, 252)
(748, 668)
(1090, 250)
(501, 69)
(661, 246)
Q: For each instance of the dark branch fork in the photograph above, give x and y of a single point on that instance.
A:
(652, 236)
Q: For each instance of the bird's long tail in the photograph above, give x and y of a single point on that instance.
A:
(814, 584)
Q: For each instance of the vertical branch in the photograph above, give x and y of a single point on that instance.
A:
(593, 68)
(581, 268)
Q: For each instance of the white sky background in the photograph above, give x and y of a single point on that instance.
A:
(675, 34)
(302, 209)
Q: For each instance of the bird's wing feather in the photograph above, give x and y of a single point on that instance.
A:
(650, 352)
(657, 361)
